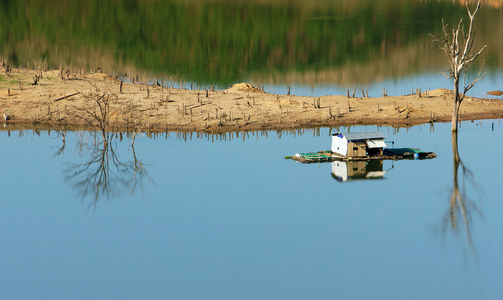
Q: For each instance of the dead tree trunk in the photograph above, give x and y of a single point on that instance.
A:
(459, 56)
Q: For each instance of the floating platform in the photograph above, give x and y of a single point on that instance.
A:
(388, 154)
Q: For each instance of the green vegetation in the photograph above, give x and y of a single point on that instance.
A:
(8, 81)
(214, 42)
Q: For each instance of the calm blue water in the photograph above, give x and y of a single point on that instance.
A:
(395, 87)
(235, 220)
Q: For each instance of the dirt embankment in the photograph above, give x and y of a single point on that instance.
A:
(69, 99)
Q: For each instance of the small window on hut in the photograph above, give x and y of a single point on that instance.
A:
(355, 148)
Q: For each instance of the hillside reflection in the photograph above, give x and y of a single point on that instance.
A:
(104, 174)
(223, 42)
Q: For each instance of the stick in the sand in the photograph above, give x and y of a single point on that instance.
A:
(64, 97)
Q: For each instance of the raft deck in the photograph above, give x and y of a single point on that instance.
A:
(388, 154)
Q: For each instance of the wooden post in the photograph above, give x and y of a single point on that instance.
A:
(120, 87)
(347, 93)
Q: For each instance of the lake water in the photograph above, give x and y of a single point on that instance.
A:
(314, 47)
(228, 217)
(215, 218)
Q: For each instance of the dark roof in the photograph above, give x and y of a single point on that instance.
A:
(362, 136)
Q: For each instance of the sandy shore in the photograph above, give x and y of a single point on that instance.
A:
(69, 99)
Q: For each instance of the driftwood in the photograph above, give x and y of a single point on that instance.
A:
(64, 97)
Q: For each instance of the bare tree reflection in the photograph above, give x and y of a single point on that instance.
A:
(461, 207)
(103, 175)
(62, 134)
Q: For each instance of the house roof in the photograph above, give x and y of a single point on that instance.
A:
(362, 136)
(377, 143)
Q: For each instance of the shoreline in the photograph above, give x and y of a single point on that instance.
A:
(65, 99)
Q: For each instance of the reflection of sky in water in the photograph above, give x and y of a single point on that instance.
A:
(235, 220)
(402, 86)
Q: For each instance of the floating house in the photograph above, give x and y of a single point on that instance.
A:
(358, 144)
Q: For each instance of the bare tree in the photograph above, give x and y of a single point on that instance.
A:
(97, 110)
(459, 56)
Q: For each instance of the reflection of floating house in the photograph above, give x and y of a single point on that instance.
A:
(359, 144)
(352, 170)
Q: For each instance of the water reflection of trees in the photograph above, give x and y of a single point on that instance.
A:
(312, 36)
(459, 218)
(103, 174)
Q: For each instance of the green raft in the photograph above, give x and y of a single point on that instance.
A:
(388, 154)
